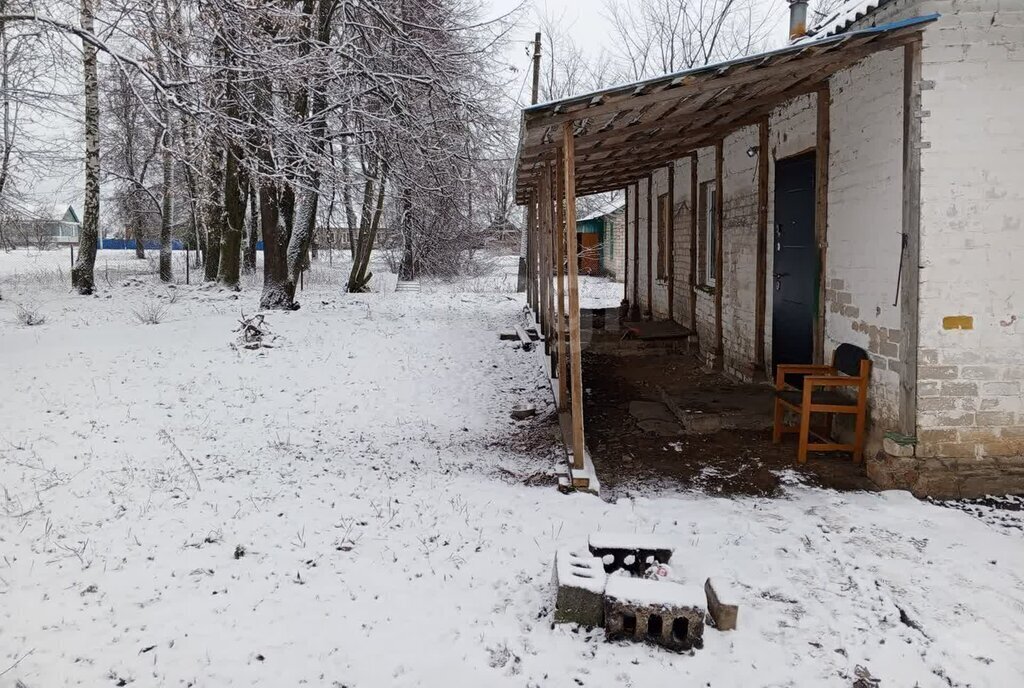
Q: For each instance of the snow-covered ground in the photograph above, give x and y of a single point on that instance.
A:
(342, 510)
(600, 292)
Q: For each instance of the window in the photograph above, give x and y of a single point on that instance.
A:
(664, 255)
(708, 237)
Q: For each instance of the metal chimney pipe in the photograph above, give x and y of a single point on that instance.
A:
(797, 19)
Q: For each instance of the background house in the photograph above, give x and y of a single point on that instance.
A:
(43, 226)
(600, 241)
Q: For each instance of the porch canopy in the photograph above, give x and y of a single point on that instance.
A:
(625, 132)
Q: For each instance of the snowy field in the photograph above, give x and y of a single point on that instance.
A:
(342, 510)
(600, 292)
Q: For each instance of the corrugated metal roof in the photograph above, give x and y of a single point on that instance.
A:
(603, 211)
(842, 18)
(624, 132)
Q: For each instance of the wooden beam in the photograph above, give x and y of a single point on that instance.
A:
(671, 239)
(544, 272)
(821, 157)
(909, 294)
(761, 297)
(531, 241)
(553, 229)
(625, 242)
(576, 364)
(562, 325)
(719, 252)
(634, 309)
(649, 311)
(694, 192)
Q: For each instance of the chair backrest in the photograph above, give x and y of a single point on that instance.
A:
(847, 359)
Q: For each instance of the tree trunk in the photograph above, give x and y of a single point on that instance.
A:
(278, 290)
(214, 210)
(359, 278)
(82, 277)
(138, 234)
(407, 268)
(167, 209)
(249, 257)
(346, 195)
(234, 209)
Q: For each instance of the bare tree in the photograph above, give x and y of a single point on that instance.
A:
(663, 36)
(82, 277)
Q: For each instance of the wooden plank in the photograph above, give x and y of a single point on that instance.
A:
(694, 191)
(576, 363)
(719, 252)
(625, 242)
(546, 259)
(671, 231)
(761, 297)
(635, 307)
(823, 138)
(563, 348)
(531, 266)
(649, 309)
(909, 295)
(553, 233)
(524, 338)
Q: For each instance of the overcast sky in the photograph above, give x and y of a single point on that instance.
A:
(586, 22)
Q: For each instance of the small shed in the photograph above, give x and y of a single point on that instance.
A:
(600, 241)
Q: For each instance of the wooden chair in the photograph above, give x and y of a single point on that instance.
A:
(818, 392)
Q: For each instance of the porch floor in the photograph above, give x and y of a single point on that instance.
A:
(657, 419)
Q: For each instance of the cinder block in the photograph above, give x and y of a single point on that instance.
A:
(722, 606)
(579, 589)
(633, 552)
(660, 612)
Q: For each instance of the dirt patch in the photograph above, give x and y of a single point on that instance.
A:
(634, 455)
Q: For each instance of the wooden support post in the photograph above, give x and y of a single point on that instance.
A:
(821, 213)
(562, 325)
(649, 310)
(553, 229)
(634, 308)
(694, 191)
(544, 215)
(719, 253)
(625, 242)
(761, 298)
(569, 153)
(909, 294)
(531, 268)
(671, 240)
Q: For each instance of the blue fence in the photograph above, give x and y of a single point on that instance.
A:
(129, 244)
(149, 245)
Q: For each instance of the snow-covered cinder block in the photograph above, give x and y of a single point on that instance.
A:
(630, 551)
(722, 605)
(667, 614)
(579, 584)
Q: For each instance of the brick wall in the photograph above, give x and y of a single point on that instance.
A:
(683, 230)
(971, 338)
(865, 204)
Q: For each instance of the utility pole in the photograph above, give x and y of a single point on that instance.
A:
(524, 245)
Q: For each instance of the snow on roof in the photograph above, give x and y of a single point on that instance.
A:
(605, 210)
(842, 17)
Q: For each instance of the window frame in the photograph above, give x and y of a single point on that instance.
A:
(709, 190)
(664, 251)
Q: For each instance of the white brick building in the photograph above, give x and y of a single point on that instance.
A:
(883, 206)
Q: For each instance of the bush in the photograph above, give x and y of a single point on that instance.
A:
(29, 314)
(151, 312)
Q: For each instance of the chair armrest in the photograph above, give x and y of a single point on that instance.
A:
(831, 381)
(784, 369)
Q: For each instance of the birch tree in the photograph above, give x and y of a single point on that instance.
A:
(82, 274)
